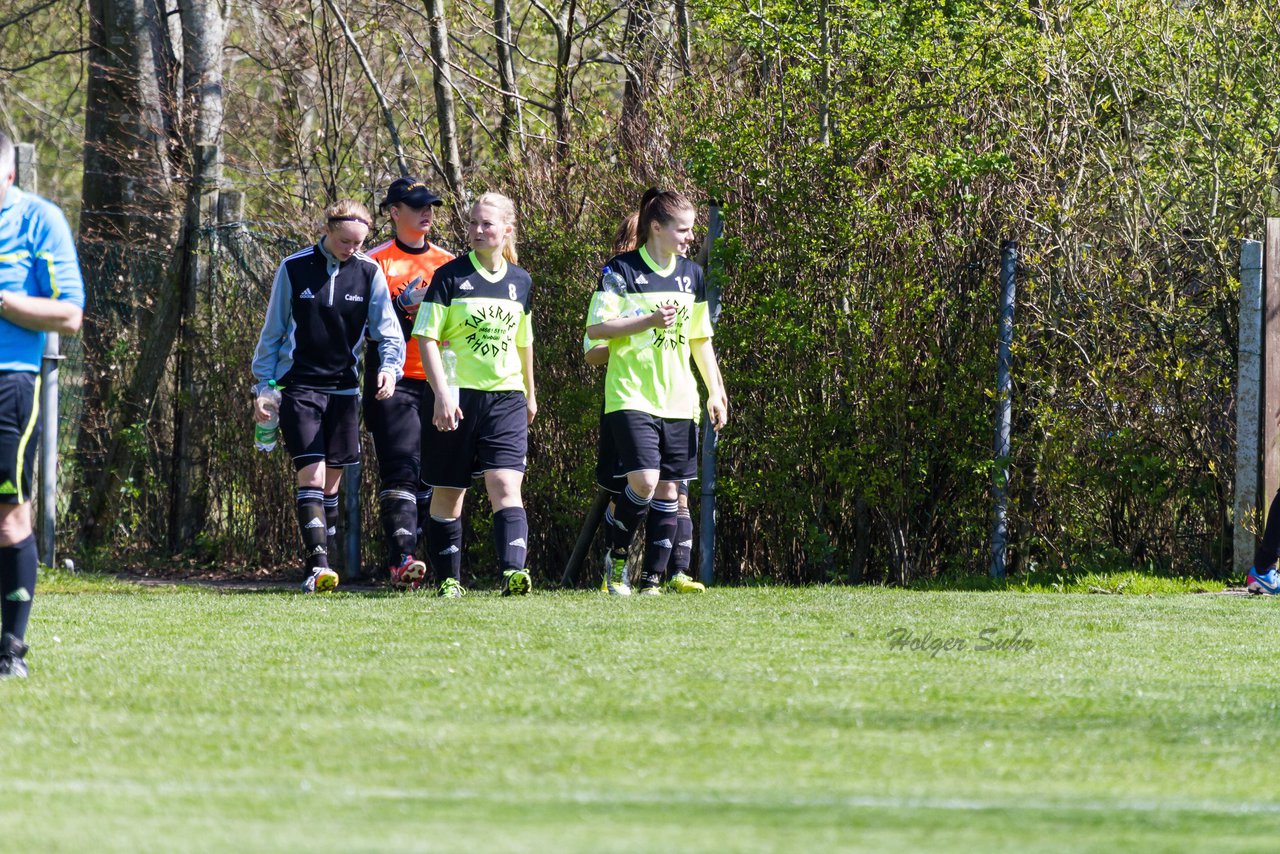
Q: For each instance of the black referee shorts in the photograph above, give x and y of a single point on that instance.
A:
(19, 415)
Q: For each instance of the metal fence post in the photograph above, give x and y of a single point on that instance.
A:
(351, 563)
(1004, 408)
(707, 516)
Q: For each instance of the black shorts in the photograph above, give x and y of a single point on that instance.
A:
(396, 427)
(493, 434)
(607, 465)
(19, 418)
(320, 426)
(645, 441)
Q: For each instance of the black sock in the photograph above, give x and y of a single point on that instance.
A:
(18, 566)
(510, 537)
(310, 506)
(444, 547)
(629, 511)
(424, 513)
(660, 535)
(331, 524)
(399, 523)
(682, 554)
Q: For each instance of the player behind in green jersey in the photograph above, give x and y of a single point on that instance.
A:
(651, 309)
(480, 305)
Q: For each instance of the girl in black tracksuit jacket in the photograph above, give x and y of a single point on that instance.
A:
(322, 302)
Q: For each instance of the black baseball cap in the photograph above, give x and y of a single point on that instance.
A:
(412, 192)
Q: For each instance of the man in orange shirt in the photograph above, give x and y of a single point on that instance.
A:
(408, 261)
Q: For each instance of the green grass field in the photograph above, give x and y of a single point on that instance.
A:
(742, 720)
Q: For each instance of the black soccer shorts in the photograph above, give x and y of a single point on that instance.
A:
(645, 441)
(396, 427)
(319, 425)
(493, 434)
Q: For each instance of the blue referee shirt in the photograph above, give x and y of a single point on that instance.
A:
(37, 257)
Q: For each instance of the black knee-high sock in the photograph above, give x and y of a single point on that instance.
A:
(424, 513)
(444, 547)
(310, 507)
(628, 514)
(659, 540)
(331, 524)
(682, 554)
(18, 564)
(510, 537)
(399, 523)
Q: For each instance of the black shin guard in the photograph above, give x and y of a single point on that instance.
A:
(399, 523)
(331, 525)
(510, 537)
(682, 554)
(660, 534)
(18, 566)
(629, 511)
(310, 507)
(444, 547)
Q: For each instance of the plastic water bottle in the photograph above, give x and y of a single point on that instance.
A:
(449, 359)
(266, 432)
(613, 283)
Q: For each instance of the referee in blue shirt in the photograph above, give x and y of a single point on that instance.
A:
(40, 291)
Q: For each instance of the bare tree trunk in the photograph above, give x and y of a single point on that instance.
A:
(640, 55)
(560, 96)
(203, 37)
(128, 221)
(446, 112)
(511, 129)
(824, 78)
(682, 34)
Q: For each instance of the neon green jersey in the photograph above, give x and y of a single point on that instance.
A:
(484, 316)
(650, 370)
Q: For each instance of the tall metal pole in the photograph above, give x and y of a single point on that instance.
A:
(707, 517)
(1004, 407)
(351, 564)
(1249, 402)
(49, 448)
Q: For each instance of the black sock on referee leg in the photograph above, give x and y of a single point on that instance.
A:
(399, 523)
(682, 554)
(629, 511)
(444, 547)
(18, 566)
(311, 511)
(659, 540)
(510, 537)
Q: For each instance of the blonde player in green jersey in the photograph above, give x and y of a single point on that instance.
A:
(480, 304)
(651, 309)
